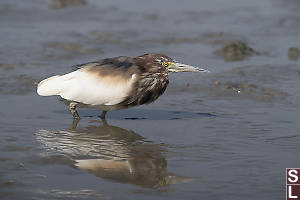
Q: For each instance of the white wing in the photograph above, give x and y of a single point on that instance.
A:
(88, 88)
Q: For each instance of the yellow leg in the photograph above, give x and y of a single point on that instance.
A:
(72, 108)
(102, 116)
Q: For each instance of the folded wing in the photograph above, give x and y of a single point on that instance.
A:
(89, 86)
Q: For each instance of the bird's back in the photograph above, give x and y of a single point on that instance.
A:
(113, 81)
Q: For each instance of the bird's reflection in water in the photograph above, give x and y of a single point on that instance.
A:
(113, 153)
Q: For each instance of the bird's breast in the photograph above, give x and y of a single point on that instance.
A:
(147, 89)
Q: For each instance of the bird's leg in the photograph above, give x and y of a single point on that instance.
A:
(74, 123)
(102, 116)
(104, 122)
(72, 108)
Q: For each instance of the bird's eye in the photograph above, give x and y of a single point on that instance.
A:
(166, 64)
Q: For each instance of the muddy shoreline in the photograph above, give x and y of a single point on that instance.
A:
(228, 133)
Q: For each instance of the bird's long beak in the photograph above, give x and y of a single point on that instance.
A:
(179, 67)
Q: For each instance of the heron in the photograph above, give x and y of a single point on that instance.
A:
(115, 83)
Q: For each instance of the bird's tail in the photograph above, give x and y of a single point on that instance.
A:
(50, 86)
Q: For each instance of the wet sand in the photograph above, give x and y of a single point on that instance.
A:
(230, 133)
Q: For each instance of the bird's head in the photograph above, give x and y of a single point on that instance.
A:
(171, 65)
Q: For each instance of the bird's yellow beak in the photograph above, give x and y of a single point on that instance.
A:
(179, 67)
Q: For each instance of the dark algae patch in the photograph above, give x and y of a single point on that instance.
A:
(58, 4)
(236, 51)
(294, 53)
(250, 90)
(6, 67)
(69, 49)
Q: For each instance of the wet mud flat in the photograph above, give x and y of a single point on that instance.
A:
(230, 133)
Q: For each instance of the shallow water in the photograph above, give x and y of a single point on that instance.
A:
(229, 134)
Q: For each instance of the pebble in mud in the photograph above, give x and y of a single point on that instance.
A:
(251, 90)
(6, 67)
(294, 53)
(58, 4)
(235, 51)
